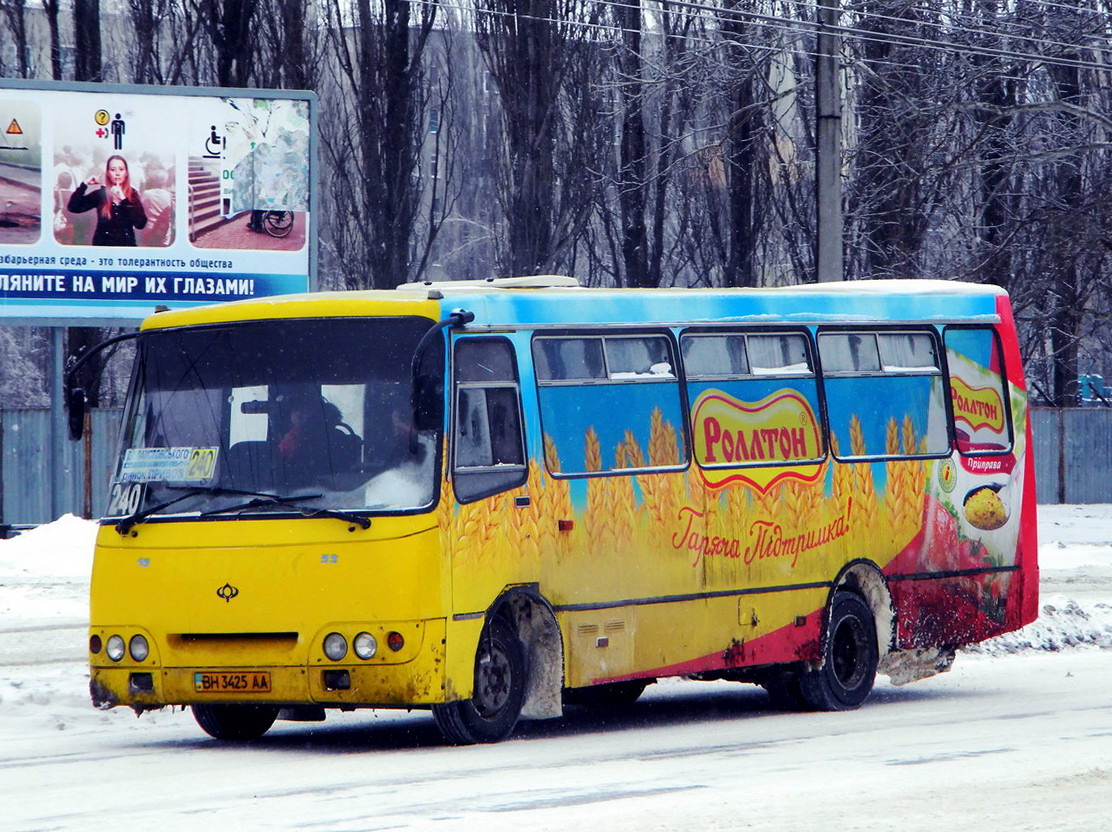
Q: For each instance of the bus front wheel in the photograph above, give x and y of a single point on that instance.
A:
(235, 722)
(850, 658)
(491, 713)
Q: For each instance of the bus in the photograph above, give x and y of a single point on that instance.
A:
(496, 499)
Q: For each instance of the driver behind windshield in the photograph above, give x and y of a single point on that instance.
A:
(316, 442)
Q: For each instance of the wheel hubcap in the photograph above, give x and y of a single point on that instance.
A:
(492, 682)
(847, 652)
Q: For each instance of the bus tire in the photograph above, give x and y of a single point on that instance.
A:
(235, 722)
(612, 695)
(850, 657)
(491, 714)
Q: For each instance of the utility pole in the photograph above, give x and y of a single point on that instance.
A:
(828, 147)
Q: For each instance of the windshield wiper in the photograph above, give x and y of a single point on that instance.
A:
(128, 523)
(294, 502)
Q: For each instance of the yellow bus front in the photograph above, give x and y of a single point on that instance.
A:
(283, 611)
(271, 539)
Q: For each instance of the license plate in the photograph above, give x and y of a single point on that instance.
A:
(252, 681)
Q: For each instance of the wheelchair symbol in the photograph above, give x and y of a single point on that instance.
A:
(214, 144)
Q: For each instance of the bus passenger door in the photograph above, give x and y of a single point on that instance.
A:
(490, 536)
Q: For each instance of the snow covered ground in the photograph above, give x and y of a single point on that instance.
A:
(1018, 736)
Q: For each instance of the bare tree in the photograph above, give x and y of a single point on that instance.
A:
(289, 44)
(1043, 177)
(231, 29)
(535, 52)
(15, 14)
(88, 60)
(633, 148)
(744, 150)
(995, 88)
(646, 82)
(52, 10)
(894, 160)
(373, 142)
(24, 356)
(162, 36)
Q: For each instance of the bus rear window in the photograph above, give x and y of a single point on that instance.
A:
(978, 392)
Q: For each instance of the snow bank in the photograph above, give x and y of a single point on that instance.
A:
(1065, 531)
(44, 581)
(62, 549)
(1062, 623)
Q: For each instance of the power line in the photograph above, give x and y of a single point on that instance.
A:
(880, 37)
(940, 22)
(794, 26)
(613, 28)
(1067, 7)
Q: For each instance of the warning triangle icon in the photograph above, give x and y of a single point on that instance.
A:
(14, 129)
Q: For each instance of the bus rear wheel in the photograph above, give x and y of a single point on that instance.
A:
(235, 722)
(850, 658)
(491, 714)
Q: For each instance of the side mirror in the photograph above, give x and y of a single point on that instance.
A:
(75, 405)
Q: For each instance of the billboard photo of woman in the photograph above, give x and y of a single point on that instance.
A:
(119, 211)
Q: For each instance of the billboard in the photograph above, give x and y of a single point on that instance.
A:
(115, 200)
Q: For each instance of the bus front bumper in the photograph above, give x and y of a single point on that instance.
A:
(418, 681)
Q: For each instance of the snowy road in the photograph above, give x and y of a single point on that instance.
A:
(1016, 737)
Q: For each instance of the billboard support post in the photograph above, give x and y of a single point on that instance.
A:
(60, 454)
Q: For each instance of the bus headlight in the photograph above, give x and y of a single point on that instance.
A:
(335, 646)
(115, 648)
(139, 648)
(365, 646)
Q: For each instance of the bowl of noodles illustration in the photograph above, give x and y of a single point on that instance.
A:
(985, 509)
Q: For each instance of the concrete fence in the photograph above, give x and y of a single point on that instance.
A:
(1072, 448)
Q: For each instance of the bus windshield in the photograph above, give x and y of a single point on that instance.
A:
(292, 415)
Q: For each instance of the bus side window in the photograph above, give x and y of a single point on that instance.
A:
(609, 402)
(884, 394)
(743, 385)
(487, 444)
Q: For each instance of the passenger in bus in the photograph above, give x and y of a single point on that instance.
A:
(118, 206)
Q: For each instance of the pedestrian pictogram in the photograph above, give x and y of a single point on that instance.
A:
(118, 132)
(14, 129)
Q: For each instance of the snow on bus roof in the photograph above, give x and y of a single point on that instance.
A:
(534, 281)
(888, 286)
